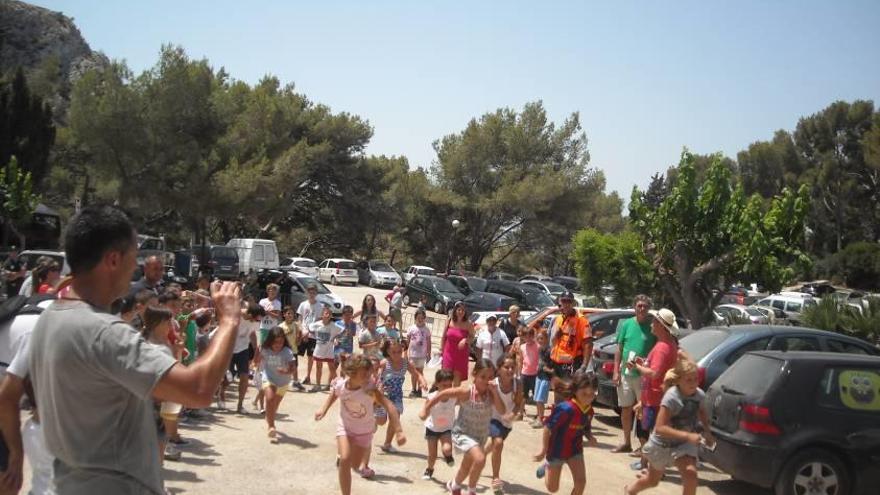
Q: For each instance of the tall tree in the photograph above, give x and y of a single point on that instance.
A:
(17, 198)
(706, 234)
(26, 127)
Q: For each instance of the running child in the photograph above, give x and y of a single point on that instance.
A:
(471, 427)
(675, 440)
(543, 379)
(292, 334)
(438, 426)
(509, 389)
(389, 329)
(392, 373)
(324, 332)
(356, 425)
(563, 440)
(277, 361)
(345, 340)
(418, 339)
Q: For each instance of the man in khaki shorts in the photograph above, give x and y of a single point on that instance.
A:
(634, 339)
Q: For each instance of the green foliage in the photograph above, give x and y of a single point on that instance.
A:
(17, 197)
(26, 127)
(612, 259)
(833, 316)
(858, 264)
(706, 233)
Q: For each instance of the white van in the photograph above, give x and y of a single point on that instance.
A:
(255, 254)
(793, 303)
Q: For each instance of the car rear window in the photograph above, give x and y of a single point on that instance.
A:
(347, 265)
(754, 312)
(382, 267)
(702, 342)
(751, 375)
(305, 263)
(223, 252)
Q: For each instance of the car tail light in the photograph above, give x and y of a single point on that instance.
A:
(756, 419)
(608, 368)
(701, 375)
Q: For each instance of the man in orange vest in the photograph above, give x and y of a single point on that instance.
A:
(571, 339)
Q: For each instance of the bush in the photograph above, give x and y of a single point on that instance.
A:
(838, 317)
(859, 264)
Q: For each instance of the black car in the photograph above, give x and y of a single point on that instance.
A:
(488, 301)
(502, 276)
(799, 422)
(441, 293)
(218, 260)
(570, 283)
(467, 284)
(528, 298)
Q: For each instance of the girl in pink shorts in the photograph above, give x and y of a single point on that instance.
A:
(357, 395)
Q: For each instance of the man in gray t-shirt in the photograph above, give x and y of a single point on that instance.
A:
(95, 378)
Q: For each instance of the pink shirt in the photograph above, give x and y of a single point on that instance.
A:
(355, 409)
(529, 353)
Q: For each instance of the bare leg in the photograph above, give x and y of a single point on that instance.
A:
(318, 368)
(456, 378)
(551, 479)
(446, 445)
(478, 461)
(497, 444)
(687, 466)
(343, 446)
(644, 482)
(626, 420)
(432, 452)
(273, 400)
(578, 475)
(242, 388)
(309, 370)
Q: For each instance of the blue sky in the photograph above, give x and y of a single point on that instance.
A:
(647, 77)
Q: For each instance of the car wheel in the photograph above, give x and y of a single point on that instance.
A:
(813, 471)
(406, 300)
(439, 308)
(333, 280)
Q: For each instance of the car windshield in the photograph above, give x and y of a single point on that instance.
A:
(702, 342)
(223, 252)
(425, 271)
(305, 264)
(307, 281)
(554, 288)
(346, 265)
(443, 285)
(754, 312)
(538, 299)
(750, 375)
(381, 267)
(477, 284)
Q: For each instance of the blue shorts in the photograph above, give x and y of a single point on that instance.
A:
(498, 430)
(542, 390)
(557, 462)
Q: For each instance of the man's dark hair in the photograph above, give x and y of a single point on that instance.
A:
(143, 296)
(168, 296)
(93, 232)
(256, 311)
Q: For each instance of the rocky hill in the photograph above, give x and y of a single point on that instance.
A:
(48, 46)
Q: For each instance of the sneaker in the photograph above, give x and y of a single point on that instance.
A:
(221, 404)
(414, 394)
(388, 449)
(315, 388)
(298, 386)
(536, 423)
(307, 382)
(241, 410)
(171, 453)
(449, 460)
(428, 474)
(453, 488)
(541, 471)
(367, 473)
(178, 441)
(637, 466)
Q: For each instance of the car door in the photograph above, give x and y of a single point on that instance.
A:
(324, 271)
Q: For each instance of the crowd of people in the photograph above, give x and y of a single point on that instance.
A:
(145, 356)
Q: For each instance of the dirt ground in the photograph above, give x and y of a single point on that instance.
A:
(230, 453)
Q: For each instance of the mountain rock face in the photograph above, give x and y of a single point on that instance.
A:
(48, 46)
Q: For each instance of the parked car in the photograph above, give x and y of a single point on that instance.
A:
(552, 289)
(502, 276)
(739, 295)
(29, 259)
(528, 298)
(536, 276)
(441, 294)
(732, 314)
(255, 254)
(467, 284)
(543, 319)
(417, 271)
(301, 281)
(602, 362)
(488, 301)
(793, 303)
(338, 271)
(570, 283)
(377, 273)
(775, 316)
(716, 348)
(302, 265)
(799, 422)
(218, 260)
(817, 289)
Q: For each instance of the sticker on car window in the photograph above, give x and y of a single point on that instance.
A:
(860, 390)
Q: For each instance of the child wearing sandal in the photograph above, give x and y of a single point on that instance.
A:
(471, 427)
(564, 432)
(675, 440)
(438, 426)
(357, 396)
(392, 373)
(510, 391)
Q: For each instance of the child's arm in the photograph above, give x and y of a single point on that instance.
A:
(458, 394)
(496, 400)
(545, 445)
(664, 429)
(519, 399)
(393, 416)
(707, 429)
(320, 413)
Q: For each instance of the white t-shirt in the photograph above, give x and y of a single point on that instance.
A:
(245, 329)
(273, 305)
(309, 313)
(442, 415)
(492, 344)
(324, 335)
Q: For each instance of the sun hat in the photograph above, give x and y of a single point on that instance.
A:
(666, 318)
